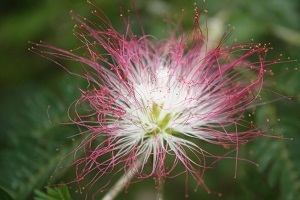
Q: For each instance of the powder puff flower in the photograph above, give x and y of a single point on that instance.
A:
(153, 103)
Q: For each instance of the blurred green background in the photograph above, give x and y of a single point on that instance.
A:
(29, 84)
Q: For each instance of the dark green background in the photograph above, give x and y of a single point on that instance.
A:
(30, 83)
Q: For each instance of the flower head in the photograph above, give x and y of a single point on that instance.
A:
(153, 103)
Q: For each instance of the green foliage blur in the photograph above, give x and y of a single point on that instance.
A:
(36, 93)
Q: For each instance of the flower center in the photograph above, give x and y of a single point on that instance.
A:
(161, 121)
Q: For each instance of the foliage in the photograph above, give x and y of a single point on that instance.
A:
(278, 159)
(29, 155)
(56, 193)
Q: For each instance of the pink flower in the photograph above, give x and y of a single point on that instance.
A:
(154, 102)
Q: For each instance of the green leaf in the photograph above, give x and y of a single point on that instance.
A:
(29, 153)
(57, 193)
(279, 158)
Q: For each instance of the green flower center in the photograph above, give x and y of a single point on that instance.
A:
(160, 120)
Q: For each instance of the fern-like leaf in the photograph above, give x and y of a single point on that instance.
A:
(57, 193)
(279, 158)
(29, 155)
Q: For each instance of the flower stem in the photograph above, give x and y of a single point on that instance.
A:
(124, 180)
(159, 195)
